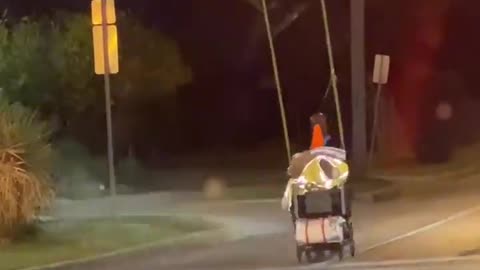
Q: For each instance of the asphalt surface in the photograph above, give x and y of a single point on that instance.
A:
(420, 226)
(458, 237)
(441, 264)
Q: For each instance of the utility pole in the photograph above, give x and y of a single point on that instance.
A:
(359, 130)
(333, 79)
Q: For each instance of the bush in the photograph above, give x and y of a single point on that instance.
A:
(132, 173)
(25, 168)
(79, 174)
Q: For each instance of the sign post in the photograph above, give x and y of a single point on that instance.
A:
(105, 43)
(380, 77)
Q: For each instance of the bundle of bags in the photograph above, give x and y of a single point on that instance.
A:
(320, 168)
(321, 230)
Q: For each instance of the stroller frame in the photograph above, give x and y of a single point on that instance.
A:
(316, 252)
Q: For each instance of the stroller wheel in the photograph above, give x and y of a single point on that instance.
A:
(340, 252)
(352, 249)
(299, 254)
(311, 256)
(350, 230)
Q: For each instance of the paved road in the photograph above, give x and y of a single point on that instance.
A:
(459, 237)
(471, 263)
(267, 241)
(449, 263)
(465, 263)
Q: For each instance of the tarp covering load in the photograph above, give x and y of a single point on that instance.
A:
(326, 171)
(321, 168)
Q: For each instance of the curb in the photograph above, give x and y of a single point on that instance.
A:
(245, 201)
(374, 196)
(380, 195)
(464, 172)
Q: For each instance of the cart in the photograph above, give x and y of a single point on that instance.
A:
(329, 204)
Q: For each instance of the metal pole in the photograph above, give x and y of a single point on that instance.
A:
(108, 105)
(333, 75)
(277, 78)
(333, 79)
(374, 124)
(359, 131)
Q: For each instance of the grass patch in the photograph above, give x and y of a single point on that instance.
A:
(68, 240)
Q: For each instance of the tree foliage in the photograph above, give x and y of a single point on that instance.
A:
(23, 75)
(152, 69)
(72, 57)
(47, 64)
(51, 61)
(150, 62)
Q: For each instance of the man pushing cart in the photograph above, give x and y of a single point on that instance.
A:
(313, 196)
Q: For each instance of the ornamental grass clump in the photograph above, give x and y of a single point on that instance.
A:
(25, 169)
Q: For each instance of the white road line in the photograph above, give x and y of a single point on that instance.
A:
(398, 263)
(425, 228)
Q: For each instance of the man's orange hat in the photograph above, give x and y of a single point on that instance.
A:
(317, 138)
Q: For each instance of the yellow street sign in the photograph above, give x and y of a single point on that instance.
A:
(112, 39)
(97, 12)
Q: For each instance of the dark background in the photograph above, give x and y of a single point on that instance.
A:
(232, 101)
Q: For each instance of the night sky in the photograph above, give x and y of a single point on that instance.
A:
(225, 44)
